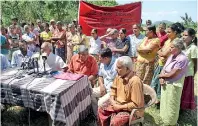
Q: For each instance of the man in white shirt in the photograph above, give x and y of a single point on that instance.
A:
(30, 38)
(95, 43)
(21, 55)
(53, 61)
(135, 40)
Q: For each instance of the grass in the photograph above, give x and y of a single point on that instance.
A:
(17, 116)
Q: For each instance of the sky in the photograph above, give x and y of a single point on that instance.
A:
(171, 10)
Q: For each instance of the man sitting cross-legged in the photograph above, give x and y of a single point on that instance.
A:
(125, 95)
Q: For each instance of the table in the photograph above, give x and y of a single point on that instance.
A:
(67, 102)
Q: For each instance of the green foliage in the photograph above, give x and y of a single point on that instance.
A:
(29, 11)
(103, 3)
(187, 22)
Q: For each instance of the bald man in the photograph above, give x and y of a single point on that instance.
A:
(53, 61)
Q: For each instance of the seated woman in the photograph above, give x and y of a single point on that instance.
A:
(171, 80)
(124, 96)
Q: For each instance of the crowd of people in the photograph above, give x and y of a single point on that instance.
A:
(117, 65)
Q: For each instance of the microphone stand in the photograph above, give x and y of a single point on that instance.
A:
(44, 60)
(37, 69)
(33, 65)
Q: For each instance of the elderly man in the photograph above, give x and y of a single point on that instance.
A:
(21, 55)
(83, 63)
(107, 73)
(124, 96)
(53, 61)
(30, 38)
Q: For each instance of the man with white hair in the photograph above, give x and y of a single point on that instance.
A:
(30, 38)
(124, 96)
(53, 61)
(83, 63)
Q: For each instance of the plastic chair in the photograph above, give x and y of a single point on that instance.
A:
(148, 93)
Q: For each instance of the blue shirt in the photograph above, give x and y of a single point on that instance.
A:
(108, 72)
(18, 57)
(134, 42)
(4, 62)
(3, 42)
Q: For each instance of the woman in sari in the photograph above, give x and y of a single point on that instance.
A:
(81, 40)
(147, 52)
(72, 41)
(171, 80)
(173, 31)
(124, 96)
(188, 99)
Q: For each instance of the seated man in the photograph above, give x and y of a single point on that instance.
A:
(83, 63)
(107, 73)
(124, 96)
(21, 55)
(53, 61)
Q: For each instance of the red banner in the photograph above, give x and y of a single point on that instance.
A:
(101, 18)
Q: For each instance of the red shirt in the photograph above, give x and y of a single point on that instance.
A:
(88, 67)
(163, 37)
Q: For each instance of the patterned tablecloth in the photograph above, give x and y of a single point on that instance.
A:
(67, 102)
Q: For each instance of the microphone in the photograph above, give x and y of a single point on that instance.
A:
(35, 58)
(44, 57)
(24, 62)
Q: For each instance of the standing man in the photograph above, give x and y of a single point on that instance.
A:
(30, 38)
(148, 22)
(135, 40)
(52, 27)
(59, 39)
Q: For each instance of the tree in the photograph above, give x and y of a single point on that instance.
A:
(187, 21)
(29, 11)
